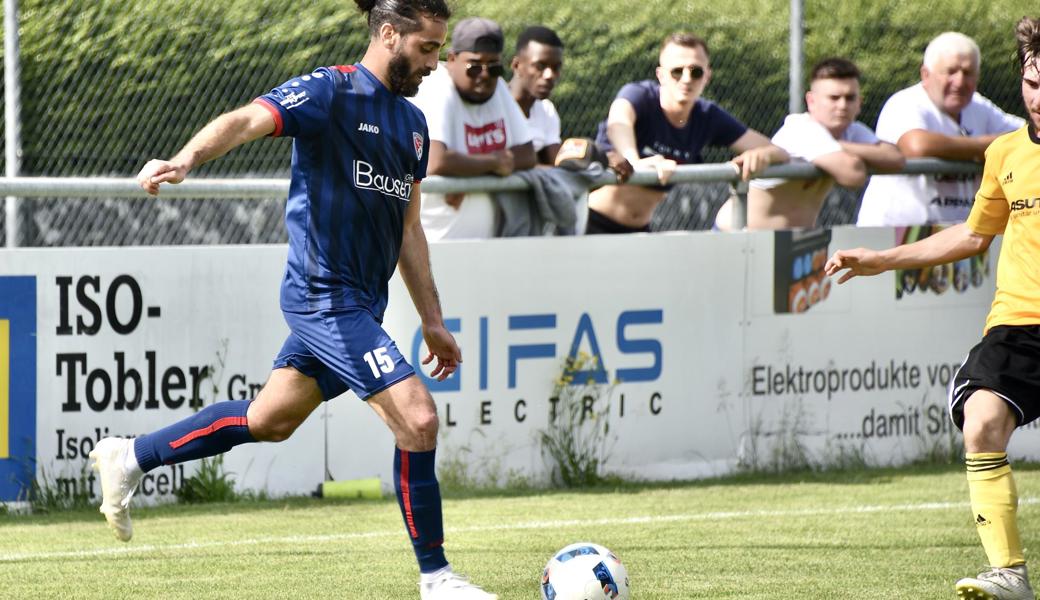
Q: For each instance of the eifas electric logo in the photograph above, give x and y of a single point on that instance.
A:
(17, 386)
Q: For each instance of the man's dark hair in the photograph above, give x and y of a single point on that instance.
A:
(834, 68)
(403, 15)
(686, 40)
(540, 34)
(1027, 34)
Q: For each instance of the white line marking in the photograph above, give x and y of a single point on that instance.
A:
(311, 539)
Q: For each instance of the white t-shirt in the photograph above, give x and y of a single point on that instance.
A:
(805, 139)
(918, 199)
(544, 124)
(467, 128)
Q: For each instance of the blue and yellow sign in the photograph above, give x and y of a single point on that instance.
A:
(17, 386)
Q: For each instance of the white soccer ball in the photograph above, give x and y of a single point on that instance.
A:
(584, 571)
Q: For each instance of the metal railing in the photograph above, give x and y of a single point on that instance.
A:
(205, 189)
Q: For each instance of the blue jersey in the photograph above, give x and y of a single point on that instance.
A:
(357, 151)
(708, 125)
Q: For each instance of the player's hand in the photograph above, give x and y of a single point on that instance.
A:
(752, 161)
(156, 171)
(442, 345)
(503, 162)
(621, 167)
(860, 261)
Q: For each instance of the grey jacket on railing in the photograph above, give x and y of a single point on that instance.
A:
(547, 208)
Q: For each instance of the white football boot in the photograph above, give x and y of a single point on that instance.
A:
(117, 483)
(450, 586)
(1009, 583)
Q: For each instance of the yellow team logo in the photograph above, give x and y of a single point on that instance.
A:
(5, 387)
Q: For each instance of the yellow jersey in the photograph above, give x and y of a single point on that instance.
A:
(1008, 202)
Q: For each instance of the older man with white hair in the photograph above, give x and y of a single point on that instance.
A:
(941, 117)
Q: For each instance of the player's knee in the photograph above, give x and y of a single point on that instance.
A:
(266, 430)
(987, 431)
(422, 430)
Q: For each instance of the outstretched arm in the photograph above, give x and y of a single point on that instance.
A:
(220, 136)
(918, 143)
(414, 264)
(949, 245)
(881, 156)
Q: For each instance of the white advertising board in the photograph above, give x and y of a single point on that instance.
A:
(703, 365)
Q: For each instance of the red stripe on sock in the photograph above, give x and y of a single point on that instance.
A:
(218, 424)
(406, 497)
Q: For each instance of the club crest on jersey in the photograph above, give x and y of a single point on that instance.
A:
(417, 140)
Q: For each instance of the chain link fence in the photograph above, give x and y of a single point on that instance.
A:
(108, 85)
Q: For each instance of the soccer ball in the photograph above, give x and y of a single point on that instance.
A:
(584, 571)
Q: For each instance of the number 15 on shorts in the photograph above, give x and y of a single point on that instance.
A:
(379, 361)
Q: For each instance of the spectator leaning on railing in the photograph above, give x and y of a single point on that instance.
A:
(942, 117)
(536, 68)
(659, 124)
(829, 137)
(475, 129)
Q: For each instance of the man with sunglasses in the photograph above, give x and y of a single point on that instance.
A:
(476, 128)
(660, 124)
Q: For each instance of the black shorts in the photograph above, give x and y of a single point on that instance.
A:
(601, 223)
(1007, 363)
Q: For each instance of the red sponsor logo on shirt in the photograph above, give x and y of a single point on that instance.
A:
(486, 138)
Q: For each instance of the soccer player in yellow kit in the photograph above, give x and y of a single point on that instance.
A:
(997, 389)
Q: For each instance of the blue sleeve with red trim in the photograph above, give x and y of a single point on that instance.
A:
(301, 106)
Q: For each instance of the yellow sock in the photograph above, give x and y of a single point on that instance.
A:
(994, 504)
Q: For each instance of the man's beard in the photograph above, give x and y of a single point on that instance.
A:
(473, 99)
(402, 78)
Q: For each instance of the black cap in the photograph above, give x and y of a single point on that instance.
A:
(477, 34)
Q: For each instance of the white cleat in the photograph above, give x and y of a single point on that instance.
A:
(453, 587)
(117, 484)
(1008, 583)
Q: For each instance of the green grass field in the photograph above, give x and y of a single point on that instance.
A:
(876, 534)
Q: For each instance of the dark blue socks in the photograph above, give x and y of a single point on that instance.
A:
(419, 497)
(213, 430)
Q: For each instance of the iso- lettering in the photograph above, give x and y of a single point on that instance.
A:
(87, 303)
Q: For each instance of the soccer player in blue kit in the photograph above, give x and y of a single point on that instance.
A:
(359, 153)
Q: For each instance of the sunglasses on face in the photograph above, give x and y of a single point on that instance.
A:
(473, 70)
(696, 72)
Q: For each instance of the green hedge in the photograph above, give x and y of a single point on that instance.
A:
(107, 85)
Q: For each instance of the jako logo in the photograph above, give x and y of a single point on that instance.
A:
(366, 178)
(17, 386)
(368, 128)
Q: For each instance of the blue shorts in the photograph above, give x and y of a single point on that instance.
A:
(343, 349)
